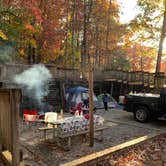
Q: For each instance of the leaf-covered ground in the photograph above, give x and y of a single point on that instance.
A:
(40, 152)
(122, 128)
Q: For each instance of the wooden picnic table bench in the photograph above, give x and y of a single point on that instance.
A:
(45, 129)
(83, 133)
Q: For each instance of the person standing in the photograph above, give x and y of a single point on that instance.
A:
(105, 99)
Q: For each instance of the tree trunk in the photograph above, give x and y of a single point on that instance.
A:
(66, 33)
(107, 36)
(83, 52)
(141, 63)
(85, 24)
(73, 34)
(29, 54)
(76, 25)
(96, 46)
(62, 94)
(162, 37)
(89, 5)
(38, 59)
(33, 55)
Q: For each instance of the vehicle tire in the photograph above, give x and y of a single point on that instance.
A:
(141, 114)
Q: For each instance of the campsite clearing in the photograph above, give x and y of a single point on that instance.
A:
(122, 128)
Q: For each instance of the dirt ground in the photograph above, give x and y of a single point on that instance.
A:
(122, 128)
(1, 162)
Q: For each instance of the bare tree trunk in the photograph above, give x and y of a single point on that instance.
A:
(141, 63)
(96, 47)
(73, 34)
(83, 52)
(66, 33)
(40, 42)
(107, 35)
(162, 37)
(133, 55)
(29, 54)
(33, 55)
(76, 24)
(86, 22)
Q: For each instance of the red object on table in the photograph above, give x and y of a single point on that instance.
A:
(30, 112)
(86, 116)
(30, 115)
(78, 107)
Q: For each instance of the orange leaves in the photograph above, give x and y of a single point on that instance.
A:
(32, 9)
(142, 57)
(130, 159)
(30, 28)
(38, 15)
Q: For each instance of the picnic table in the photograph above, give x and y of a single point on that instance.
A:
(58, 135)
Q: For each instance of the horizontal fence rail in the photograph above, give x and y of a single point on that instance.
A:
(7, 73)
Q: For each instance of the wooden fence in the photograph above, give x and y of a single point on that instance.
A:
(9, 115)
(7, 72)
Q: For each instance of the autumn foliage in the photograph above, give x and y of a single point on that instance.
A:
(71, 33)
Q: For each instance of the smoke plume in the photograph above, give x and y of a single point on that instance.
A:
(35, 81)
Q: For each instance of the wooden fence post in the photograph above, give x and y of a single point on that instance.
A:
(9, 127)
(15, 98)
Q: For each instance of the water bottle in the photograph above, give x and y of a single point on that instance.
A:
(81, 113)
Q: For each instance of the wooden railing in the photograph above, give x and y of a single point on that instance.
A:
(7, 73)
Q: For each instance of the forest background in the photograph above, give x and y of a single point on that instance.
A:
(70, 33)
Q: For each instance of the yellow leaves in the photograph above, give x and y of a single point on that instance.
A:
(3, 36)
(22, 52)
(33, 43)
(69, 17)
(58, 51)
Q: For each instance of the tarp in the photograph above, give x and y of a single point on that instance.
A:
(78, 89)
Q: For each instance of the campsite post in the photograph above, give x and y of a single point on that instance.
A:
(91, 126)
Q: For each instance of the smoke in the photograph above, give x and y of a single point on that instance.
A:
(35, 81)
(6, 54)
